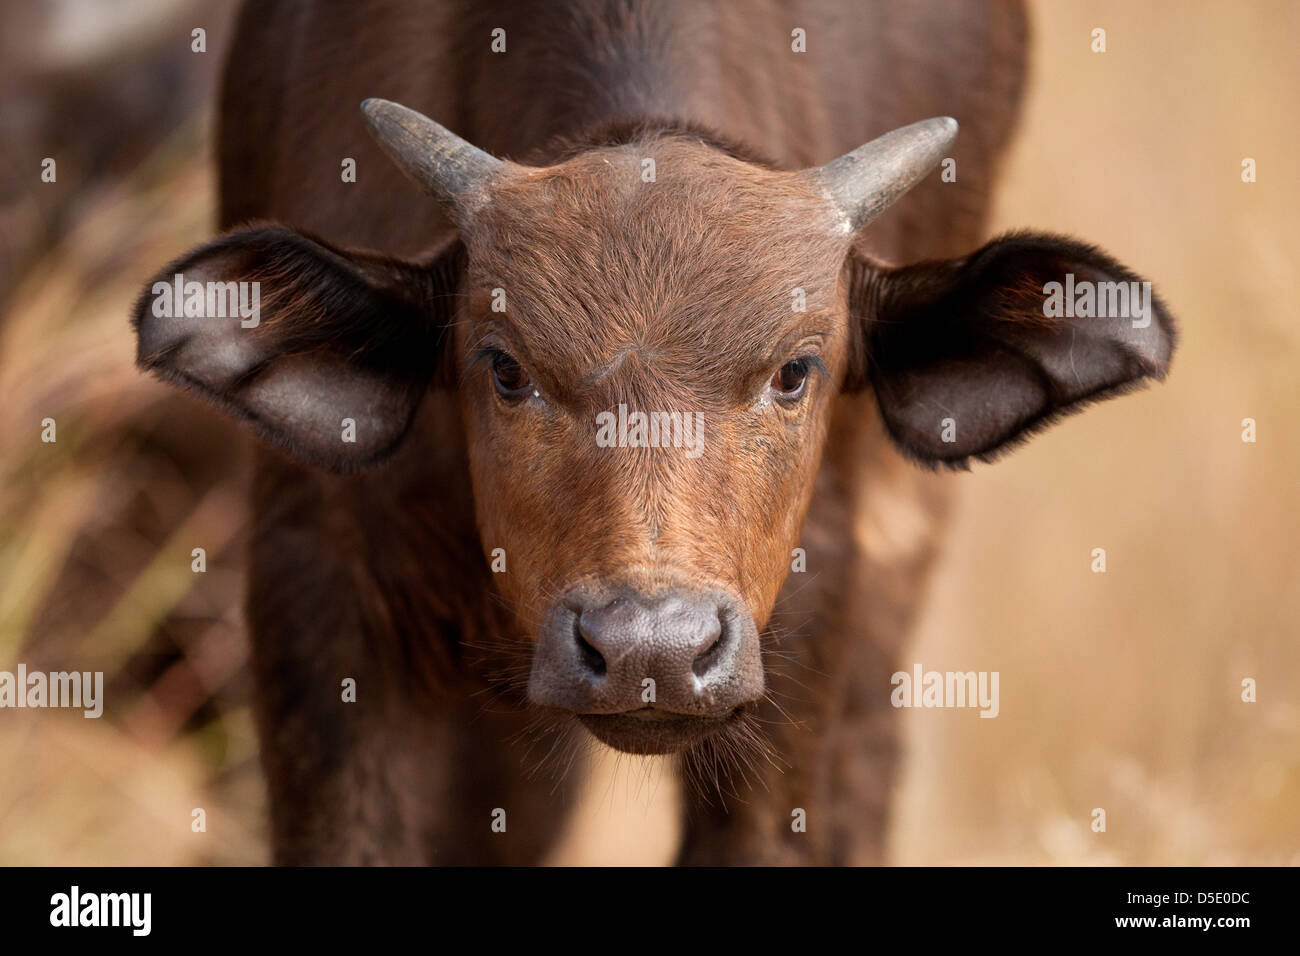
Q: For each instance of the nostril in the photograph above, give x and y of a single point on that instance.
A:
(590, 657)
(705, 661)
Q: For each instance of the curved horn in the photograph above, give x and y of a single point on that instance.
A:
(865, 182)
(451, 169)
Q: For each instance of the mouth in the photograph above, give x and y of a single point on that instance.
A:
(651, 731)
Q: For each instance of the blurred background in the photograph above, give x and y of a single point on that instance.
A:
(1119, 690)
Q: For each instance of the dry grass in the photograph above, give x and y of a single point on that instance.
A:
(95, 544)
(1118, 691)
(1122, 690)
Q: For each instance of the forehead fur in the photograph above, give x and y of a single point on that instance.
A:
(693, 271)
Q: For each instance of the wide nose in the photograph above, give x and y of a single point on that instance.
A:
(681, 651)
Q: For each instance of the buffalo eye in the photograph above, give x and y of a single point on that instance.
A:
(509, 376)
(791, 380)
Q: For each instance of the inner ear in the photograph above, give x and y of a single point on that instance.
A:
(968, 356)
(333, 366)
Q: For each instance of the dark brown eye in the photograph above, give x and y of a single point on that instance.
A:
(791, 380)
(509, 376)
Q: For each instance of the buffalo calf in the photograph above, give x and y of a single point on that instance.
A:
(553, 403)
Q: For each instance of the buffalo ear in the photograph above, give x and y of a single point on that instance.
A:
(326, 335)
(967, 356)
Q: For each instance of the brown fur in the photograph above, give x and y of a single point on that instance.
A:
(652, 272)
(850, 612)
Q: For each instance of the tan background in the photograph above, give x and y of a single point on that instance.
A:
(1119, 691)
